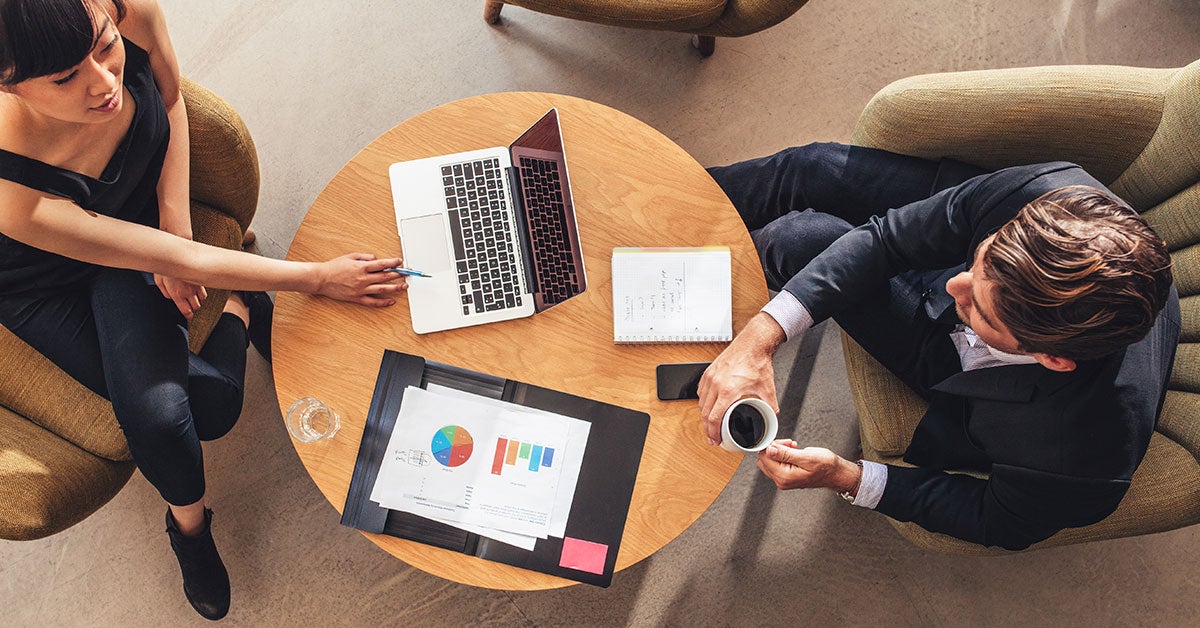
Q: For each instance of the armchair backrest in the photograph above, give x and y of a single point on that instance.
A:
(1136, 129)
(1163, 183)
(224, 162)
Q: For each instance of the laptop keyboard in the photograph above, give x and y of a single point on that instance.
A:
(553, 262)
(481, 229)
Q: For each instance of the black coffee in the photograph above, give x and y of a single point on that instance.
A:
(746, 426)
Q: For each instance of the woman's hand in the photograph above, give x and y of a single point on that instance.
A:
(186, 295)
(360, 278)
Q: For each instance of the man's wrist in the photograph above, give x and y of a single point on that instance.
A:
(763, 334)
(790, 314)
(850, 478)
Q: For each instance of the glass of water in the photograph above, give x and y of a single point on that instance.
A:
(309, 420)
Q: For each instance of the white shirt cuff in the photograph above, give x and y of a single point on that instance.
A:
(790, 313)
(874, 480)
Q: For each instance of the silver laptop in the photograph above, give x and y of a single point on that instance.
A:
(495, 228)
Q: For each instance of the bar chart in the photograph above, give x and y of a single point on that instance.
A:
(522, 455)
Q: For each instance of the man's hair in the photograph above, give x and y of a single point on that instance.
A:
(1078, 274)
(40, 37)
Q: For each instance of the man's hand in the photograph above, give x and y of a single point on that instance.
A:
(187, 296)
(743, 369)
(811, 467)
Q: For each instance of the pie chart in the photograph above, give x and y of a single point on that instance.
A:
(452, 445)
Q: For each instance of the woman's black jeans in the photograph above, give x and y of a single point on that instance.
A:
(118, 335)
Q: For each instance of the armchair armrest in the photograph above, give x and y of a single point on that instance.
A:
(1179, 420)
(888, 411)
(224, 186)
(1100, 117)
(667, 16)
(35, 388)
(743, 17)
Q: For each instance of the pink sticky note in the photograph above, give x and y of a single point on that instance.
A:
(583, 555)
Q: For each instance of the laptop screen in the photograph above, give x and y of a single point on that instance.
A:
(548, 230)
(543, 135)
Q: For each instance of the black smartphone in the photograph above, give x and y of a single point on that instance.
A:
(679, 381)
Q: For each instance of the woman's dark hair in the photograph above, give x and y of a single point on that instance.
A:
(40, 37)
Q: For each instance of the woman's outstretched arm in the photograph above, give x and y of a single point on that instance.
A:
(59, 226)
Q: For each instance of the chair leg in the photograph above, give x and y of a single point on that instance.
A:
(706, 44)
(491, 11)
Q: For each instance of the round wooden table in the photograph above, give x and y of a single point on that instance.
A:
(632, 186)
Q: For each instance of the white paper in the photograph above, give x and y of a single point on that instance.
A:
(522, 541)
(577, 437)
(441, 463)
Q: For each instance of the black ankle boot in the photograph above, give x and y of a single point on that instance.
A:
(259, 330)
(205, 581)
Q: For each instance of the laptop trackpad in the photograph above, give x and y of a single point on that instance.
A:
(425, 245)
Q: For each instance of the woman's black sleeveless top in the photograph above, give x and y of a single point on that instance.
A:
(125, 190)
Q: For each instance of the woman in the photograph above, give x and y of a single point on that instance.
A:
(97, 267)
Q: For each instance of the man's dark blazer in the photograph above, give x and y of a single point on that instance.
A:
(1060, 448)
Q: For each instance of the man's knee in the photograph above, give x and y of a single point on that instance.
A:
(810, 157)
(787, 244)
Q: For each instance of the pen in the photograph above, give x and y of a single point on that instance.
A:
(407, 272)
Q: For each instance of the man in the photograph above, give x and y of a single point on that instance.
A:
(1032, 308)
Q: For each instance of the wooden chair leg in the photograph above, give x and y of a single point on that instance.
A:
(491, 11)
(706, 44)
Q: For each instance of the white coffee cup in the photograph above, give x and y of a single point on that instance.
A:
(750, 417)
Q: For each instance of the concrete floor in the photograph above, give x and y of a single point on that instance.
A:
(315, 81)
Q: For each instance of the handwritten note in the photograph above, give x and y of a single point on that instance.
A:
(672, 295)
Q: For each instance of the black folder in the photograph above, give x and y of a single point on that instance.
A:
(602, 494)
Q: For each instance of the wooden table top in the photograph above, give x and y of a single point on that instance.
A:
(632, 186)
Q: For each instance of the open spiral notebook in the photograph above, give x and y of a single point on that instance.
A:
(672, 295)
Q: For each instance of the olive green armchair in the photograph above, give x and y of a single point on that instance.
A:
(707, 19)
(62, 455)
(1138, 131)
